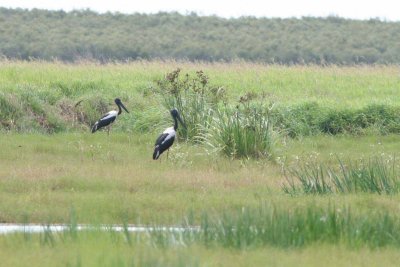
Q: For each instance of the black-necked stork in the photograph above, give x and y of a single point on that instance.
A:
(110, 117)
(167, 138)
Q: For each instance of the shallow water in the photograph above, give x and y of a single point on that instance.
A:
(7, 228)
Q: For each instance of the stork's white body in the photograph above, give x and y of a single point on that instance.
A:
(164, 141)
(109, 117)
(167, 138)
(171, 133)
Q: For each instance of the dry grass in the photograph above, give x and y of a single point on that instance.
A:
(61, 171)
(111, 179)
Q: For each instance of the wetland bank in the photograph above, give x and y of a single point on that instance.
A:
(52, 170)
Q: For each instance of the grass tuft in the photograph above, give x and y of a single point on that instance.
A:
(375, 175)
(241, 132)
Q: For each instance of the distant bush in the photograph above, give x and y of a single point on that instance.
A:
(43, 34)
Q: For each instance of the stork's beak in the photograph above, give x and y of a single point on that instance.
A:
(122, 105)
(180, 120)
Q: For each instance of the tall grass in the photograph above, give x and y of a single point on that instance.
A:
(244, 131)
(25, 112)
(10, 112)
(375, 175)
(298, 227)
(262, 226)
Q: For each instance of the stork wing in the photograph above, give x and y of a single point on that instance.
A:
(105, 120)
(161, 139)
(110, 114)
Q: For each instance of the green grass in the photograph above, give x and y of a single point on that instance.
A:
(305, 236)
(112, 179)
(111, 249)
(42, 96)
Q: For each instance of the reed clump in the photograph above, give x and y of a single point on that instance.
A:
(375, 175)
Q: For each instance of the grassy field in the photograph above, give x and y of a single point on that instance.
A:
(76, 176)
(111, 250)
(112, 179)
(98, 179)
(331, 85)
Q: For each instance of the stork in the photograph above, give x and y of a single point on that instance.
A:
(167, 138)
(109, 118)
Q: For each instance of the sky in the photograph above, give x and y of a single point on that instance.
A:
(355, 9)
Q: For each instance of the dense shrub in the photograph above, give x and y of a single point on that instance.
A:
(195, 99)
(311, 118)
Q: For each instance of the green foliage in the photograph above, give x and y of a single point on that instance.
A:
(42, 34)
(373, 176)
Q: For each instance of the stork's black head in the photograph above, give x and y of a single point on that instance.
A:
(119, 103)
(175, 114)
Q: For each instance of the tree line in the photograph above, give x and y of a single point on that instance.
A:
(84, 34)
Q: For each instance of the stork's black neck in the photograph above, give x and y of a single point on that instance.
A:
(119, 109)
(175, 123)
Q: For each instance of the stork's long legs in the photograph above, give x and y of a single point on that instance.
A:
(167, 156)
